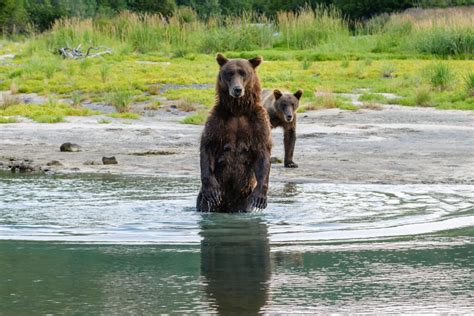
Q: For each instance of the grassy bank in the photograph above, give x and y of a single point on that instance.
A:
(424, 57)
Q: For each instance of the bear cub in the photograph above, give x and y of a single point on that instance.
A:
(281, 109)
(236, 142)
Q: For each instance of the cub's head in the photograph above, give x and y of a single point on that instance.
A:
(286, 104)
(237, 76)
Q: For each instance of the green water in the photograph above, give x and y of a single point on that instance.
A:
(135, 245)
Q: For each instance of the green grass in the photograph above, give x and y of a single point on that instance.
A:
(372, 97)
(51, 112)
(121, 100)
(104, 121)
(441, 76)
(304, 49)
(125, 115)
(197, 118)
(6, 120)
(201, 96)
(469, 84)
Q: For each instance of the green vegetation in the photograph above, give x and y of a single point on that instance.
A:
(125, 115)
(121, 100)
(197, 118)
(372, 97)
(469, 82)
(441, 76)
(421, 54)
(51, 112)
(6, 120)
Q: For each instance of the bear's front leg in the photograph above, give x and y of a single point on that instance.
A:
(210, 188)
(289, 142)
(258, 198)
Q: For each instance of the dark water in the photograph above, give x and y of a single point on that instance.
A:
(135, 245)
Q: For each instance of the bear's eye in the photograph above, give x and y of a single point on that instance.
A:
(228, 74)
(242, 73)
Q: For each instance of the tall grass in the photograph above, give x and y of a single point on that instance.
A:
(433, 31)
(447, 31)
(308, 28)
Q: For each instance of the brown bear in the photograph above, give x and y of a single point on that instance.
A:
(281, 109)
(236, 142)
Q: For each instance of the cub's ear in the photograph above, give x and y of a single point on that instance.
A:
(256, 61)
(277, 93)
(298, 94)
(221, 60)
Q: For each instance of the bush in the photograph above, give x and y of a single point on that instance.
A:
(441, 76)
(469, 83)
(423, 96)
(121, 100)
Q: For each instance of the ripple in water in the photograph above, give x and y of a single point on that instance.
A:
(126, 209)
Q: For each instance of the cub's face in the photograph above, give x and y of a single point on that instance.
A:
(237, 75)
(286, 104)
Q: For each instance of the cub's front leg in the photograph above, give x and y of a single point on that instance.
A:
(289, 142)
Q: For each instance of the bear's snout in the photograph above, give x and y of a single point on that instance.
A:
(237, 91)
(289, 118)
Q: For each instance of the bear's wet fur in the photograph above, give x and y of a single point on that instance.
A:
(236, 142)
(281, 108)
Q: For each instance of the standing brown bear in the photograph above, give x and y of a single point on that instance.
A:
(281, 108)
(236, 142)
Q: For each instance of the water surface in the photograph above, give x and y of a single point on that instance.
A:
(102, 244)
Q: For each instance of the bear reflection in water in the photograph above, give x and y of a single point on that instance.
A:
(235, 263)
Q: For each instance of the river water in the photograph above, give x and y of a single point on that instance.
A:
(104, 244)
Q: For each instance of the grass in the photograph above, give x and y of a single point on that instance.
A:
(423, 97)
(201, 96)
(303, 49)
(469, 83)
(104, 121)
(121, 100)
(326, 100)
(373, 98)
(125, 115)
(441, 76)
(197, 118)
(6, 120)
(51, 112)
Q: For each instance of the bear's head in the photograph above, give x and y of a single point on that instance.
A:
(286, 104)
(237, 76)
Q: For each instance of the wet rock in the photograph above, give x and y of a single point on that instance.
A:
(109, 160)
(54, 163)
(91, 163)
(23, 167)
(275, 160)
(69, 147)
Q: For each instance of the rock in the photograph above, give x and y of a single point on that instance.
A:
(24, 167)
(109, 160)
(275, 160)
(90, 163)
(69, 147)
(54, 163)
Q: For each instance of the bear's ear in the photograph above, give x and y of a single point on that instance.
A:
(256, 61)
(221, 60)
(277, 93)
(298, 94)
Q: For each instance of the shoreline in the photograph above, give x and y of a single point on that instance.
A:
(395, 145)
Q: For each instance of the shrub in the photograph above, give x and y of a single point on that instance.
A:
(469, 83)
(387, 71)
(440, 76)
(121, 100)
(423, 96)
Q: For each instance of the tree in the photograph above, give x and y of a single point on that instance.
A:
(165, 7)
